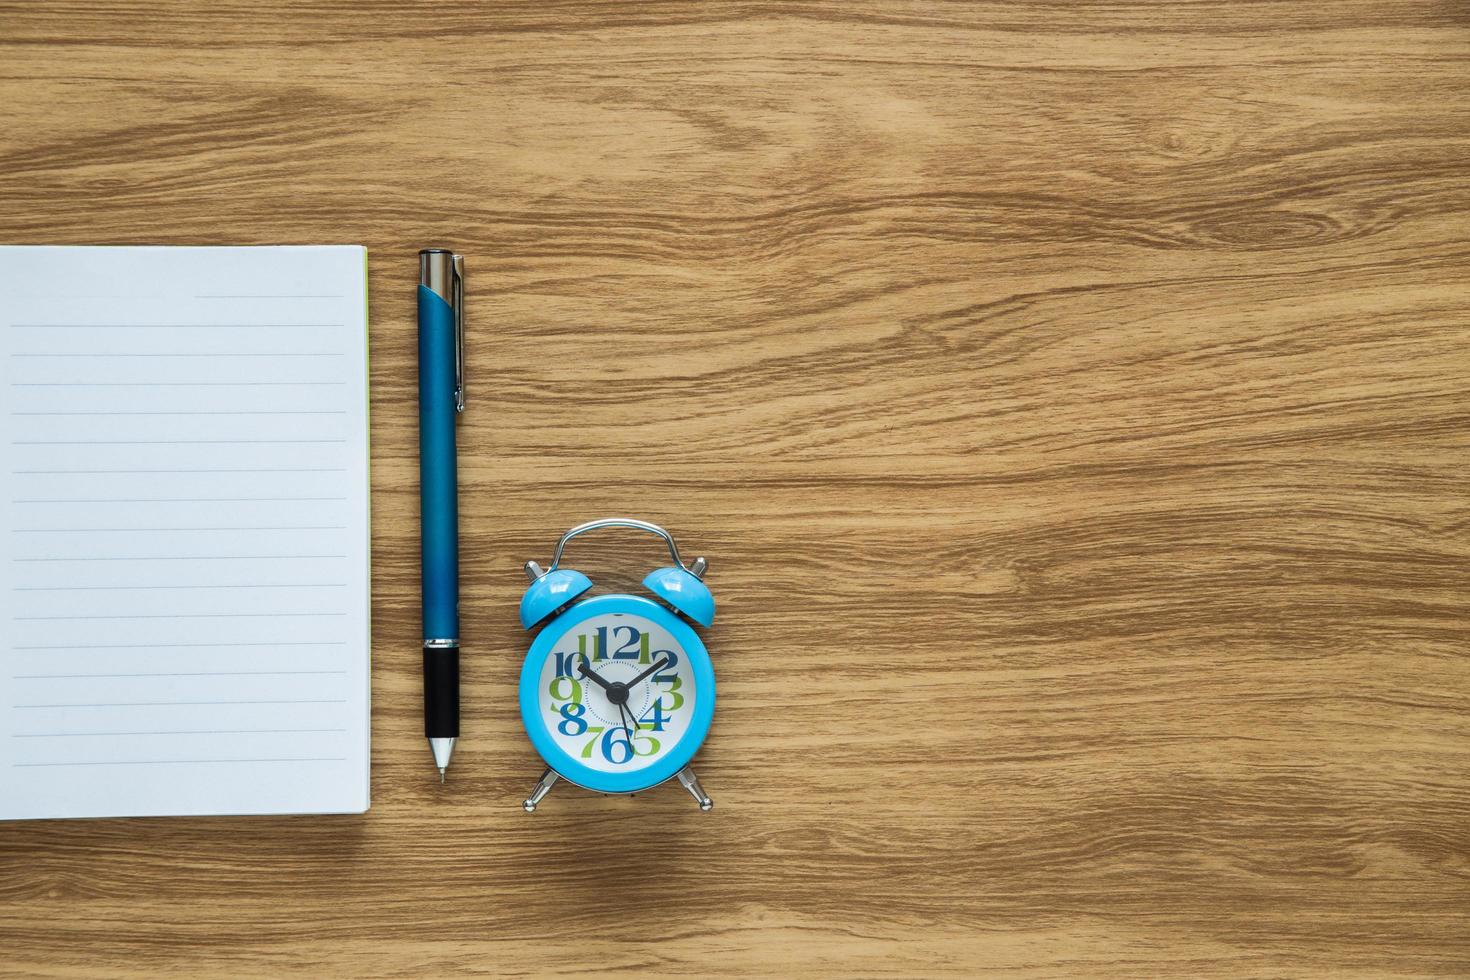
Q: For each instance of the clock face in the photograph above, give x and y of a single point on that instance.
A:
(616, 692)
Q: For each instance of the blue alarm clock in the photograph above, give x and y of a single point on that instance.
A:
(617, 692)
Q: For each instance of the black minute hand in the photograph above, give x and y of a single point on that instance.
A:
(654, 669)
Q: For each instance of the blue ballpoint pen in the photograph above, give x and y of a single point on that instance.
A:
(441, 399)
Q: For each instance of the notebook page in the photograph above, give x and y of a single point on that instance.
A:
(184, 510)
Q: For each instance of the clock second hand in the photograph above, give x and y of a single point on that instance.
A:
(624, 714)
(627, 713)
(652, 670)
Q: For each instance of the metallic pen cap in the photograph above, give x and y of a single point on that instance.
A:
(436, 270)
(442, 272)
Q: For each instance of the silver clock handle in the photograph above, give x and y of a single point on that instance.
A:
(697, 568)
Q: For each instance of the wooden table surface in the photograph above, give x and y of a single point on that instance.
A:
(1073, 401)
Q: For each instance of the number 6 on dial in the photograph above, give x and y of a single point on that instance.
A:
(617, 691)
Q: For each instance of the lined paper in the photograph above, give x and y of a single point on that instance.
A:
(184, 504)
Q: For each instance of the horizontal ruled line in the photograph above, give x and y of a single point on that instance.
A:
(164, 500)
(171, 704)
(202, 673)
(175, 762)
(170, 326)
(165, 384)
(199, 731)
(268, 296)
(154, 530)
(178, 557)
(188, 413)
(181, 646)
(169, 441)
(314, 469)
(283, 615)
(247, 353)
(133, 588)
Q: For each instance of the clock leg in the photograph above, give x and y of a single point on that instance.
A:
(543, 786)
(689, 781)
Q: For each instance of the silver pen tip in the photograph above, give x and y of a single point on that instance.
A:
(441, 776)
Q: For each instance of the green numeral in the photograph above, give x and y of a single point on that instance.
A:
(674, 690)
(653, 744)
(596, 730)
(559, 683)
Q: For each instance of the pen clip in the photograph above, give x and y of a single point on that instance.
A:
(457, 292)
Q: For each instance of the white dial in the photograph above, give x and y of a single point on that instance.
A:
(617, 692)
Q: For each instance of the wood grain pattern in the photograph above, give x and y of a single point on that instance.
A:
(1072, 400)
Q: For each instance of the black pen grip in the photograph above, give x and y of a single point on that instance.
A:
(441, 692)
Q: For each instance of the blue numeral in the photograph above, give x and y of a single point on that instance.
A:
(608, 742)
(628, 651)
(658, 719)
(566, 663)
(571, 715)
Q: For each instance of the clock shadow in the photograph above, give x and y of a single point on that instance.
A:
(649, 850)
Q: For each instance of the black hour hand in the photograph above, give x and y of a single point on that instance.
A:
(591, 675)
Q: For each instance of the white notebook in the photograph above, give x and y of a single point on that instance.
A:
(184, 592)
